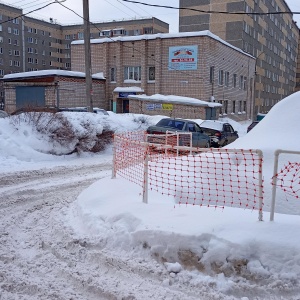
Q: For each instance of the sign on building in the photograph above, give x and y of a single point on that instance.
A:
(183, 57)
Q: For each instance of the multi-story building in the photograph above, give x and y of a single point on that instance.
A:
(196, 64)
(29, 44)
(271, 38)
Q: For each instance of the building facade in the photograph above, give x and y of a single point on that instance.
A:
(29, 44)
(198, 65)
(271, 38)
(50, 88)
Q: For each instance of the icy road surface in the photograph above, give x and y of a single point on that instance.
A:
(40, 258)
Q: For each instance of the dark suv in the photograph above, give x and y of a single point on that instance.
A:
(221, 133)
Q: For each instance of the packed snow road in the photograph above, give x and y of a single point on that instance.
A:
(40, 257)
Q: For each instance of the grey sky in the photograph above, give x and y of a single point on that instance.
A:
(106, 10)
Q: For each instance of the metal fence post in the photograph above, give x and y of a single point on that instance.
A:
(274, 179)
(114, 171)
(260, 182)
(145, 183)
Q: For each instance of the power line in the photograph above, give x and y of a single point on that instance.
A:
(22, 15)
(213, 11)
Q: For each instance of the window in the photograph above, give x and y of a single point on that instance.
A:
(43, 62)
(221, 77)
(0, 27)
(245, 106)
(132, 73)
(16, 42)
(16, 31)
(80, 35)
(67, 36)
(30, 40)
(240, 105)
(43, 32)
(136, 32)
(234, 80)
(151, 74)
(226, 78)
(113, 74)
(16, 63)
(105, 33)
(16, 53)
(30, 60)
(233, 107)
(211, 74)
(30, 50)
(1, 61)
(1, 72)
(68, 65)
(241, 82)
(1, 39)
(9, 41)
(148, 30)
(245, 83)
(225, 106)
(9, 29)
(67, 46)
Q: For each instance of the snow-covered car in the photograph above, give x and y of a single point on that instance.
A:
(222, 133)
(199, 139)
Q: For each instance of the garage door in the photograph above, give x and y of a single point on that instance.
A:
(30, 96)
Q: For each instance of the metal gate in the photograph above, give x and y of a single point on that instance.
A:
(30, 96)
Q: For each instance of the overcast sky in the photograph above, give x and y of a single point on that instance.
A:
(106, 10)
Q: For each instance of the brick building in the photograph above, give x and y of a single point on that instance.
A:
(271, 38)
(29, 44)
(51, 88)
(198, 65)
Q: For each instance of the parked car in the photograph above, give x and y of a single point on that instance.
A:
(3, 114)
(199, 139)
(222, 133)
(252, 125)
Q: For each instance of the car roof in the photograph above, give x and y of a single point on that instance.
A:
(213, 124)
(179, 119)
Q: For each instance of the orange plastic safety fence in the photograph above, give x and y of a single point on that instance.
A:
(213, 177)
(288, 179)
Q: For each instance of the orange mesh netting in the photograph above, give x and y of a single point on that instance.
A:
(204, 177)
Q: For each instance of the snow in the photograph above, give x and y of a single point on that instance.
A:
(121, 89)
(174, 99)
(160, 36)
(52, 72)
(267, 253)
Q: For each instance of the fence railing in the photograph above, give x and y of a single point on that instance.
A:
(213, 178)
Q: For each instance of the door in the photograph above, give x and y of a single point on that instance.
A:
(30, 96)
(126, 106)
(211, 113)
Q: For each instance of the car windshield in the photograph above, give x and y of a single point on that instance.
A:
(171, 123)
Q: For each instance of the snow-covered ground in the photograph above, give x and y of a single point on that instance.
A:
(72, 232)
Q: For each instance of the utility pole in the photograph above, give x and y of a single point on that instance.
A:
(87, 48)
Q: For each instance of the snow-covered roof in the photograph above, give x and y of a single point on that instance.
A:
(175, 99)
(52, 72)
(126, 89)
(161, 36)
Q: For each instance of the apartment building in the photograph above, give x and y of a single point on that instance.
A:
(271, 38)
(29, 44)
(196, 64)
